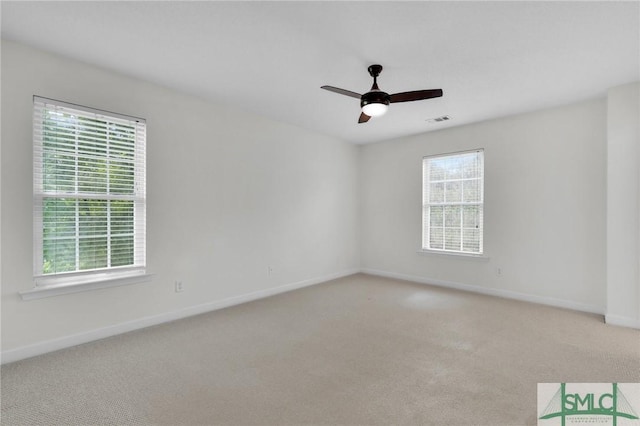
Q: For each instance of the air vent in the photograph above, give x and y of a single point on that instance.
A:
(439, 119)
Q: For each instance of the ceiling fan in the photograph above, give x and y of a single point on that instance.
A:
(376, 102)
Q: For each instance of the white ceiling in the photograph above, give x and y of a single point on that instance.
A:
(491, 59)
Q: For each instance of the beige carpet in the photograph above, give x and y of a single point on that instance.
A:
(359, 350)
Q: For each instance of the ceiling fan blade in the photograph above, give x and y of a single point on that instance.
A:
(416, 95)
(342, 91)
(363, 118)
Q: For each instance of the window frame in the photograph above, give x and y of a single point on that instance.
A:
(427, 205)
(112, 275)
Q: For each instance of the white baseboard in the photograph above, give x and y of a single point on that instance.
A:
(101, 333)
(507, 294)
(622, 321)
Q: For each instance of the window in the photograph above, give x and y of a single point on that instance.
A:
(453, 187)
(89, 193)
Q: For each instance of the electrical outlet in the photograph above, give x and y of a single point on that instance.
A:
(270, 270)
(499, 271)
(179, 287)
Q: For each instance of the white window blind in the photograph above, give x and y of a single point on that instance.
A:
(89, 191)
(453, 201)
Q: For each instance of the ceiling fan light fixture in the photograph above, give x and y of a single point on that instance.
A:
(375, 103)
(375, 109)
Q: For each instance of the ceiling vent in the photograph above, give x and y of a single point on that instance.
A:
(439, 119)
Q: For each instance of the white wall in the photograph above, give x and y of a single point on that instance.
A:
(623, 205)
(544, 207)
(229, 194)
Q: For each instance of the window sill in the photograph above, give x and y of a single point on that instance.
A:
(89, 283)
(465, 256)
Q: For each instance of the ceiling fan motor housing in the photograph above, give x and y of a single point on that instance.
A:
(375, 97)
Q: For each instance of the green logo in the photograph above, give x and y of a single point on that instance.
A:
(586, 403)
